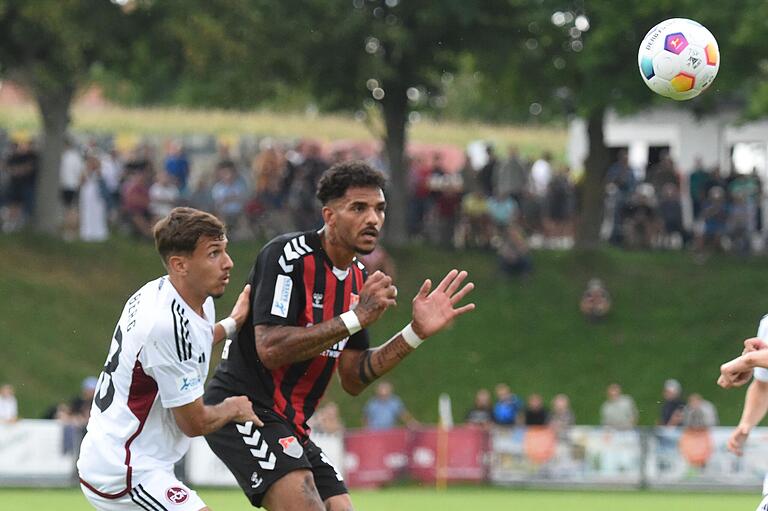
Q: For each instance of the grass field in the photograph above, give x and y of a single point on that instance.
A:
(174, 121)
(672, 317)
(417, 499)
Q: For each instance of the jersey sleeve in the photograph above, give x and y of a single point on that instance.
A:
(761, 373)
(276, 282)
(179, 382)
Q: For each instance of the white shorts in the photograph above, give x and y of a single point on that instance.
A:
(152, 491)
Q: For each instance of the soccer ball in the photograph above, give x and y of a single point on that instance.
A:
(678, 58)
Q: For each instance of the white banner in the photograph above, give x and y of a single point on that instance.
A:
(37, 450)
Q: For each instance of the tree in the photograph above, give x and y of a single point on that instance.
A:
(581, 58)
(50, 46)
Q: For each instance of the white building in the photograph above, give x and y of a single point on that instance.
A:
(720, 139)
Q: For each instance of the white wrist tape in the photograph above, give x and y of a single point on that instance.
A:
(410, 336)
(351, 321)
(230, 327)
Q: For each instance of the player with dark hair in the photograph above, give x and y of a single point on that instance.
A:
(311, 304)
(148, 398)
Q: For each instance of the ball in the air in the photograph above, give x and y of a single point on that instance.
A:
(678, 58)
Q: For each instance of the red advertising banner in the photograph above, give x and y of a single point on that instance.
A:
(457, 454)
(374, 458)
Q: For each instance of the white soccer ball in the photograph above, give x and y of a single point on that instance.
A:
(678, 58)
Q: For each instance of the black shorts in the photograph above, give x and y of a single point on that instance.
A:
(258, 457)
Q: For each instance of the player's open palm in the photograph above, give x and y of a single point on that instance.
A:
(433, 311)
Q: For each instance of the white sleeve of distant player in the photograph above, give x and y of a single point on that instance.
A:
(178, 382)
(761, 373)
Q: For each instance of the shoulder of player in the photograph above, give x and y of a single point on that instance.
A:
(288, 249)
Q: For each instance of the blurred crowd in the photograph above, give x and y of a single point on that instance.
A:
(649, 213)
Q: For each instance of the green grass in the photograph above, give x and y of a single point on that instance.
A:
(671, 318)
(454, 499)
(129, 124)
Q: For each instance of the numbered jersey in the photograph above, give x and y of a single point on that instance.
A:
(158, 360)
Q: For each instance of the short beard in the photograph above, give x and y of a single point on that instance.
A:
(364, 251)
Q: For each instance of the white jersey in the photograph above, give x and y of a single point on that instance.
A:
(158, 360)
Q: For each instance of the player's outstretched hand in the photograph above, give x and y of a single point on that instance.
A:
(734, 373)
(242, 306)
(754, 344)
(242, 410)
(737, 439)
(376, 296)
(433, 311)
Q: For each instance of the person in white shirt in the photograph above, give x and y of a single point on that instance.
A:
(148, 400)
(9, 407)
(163, 195)
(70, 175)
(737, 372)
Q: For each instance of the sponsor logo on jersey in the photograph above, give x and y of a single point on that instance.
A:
(189, 381)
(282, 298)
(291, 446)
(176, 495)
(335, 350)
(317, 300)
(256, 480)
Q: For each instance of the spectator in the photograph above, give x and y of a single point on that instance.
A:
(595, 301)
(513, 253)
(715, 216)
(562, 416)
(385, 409)
(673, 405)
(559, 208)
(93, 202)
(619, 410)
(541, 175)
(70, 176)
(177, 166)
(482, 410)
(22, 167)
(639, 214)
(512, 176)
(536, 414)
(699, 413)
(674, 234)
(663, 172)
(9, 407)
(326, 419)
(445, 188)
(486, 176)
(80, 406)
(163, 196)
(112, 172)
(697, 182)
(229, 196)
(135, 203)
(507, 406)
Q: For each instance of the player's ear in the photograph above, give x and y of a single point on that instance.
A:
(328, 215)
(177, 264)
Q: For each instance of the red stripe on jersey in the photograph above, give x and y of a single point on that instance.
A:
(141, 396)
(277, 395)
(329, 297)
(300, 391)
(309, 286)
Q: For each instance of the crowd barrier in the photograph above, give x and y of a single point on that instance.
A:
(41, 453)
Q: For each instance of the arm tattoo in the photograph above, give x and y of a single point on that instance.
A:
(366, 368)
(291, 344)
(391, 350)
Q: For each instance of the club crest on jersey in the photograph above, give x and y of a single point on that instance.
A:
(176, 495)
(291, 446)
(354, 299)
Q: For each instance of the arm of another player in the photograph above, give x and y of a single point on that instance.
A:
(229, 326)
(196, 418)
(278, 345)
(738, 371)
(755, 408)
(432, 312)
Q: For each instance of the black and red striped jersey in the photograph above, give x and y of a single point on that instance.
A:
(293, 283)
